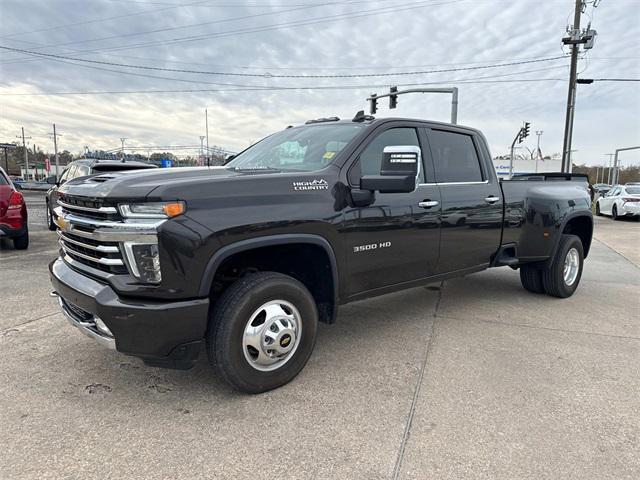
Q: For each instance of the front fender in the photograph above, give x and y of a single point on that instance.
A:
(266, 241)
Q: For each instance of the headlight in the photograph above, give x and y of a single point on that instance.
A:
(143, 258)
(144, 261)
(152, 209)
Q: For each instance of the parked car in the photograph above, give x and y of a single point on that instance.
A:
(83, 168)
(13, 213)
(247, 258)
(620, 201)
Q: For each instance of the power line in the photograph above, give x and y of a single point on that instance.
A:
(204, 82)
(201, 24)
(260, 89)
(99, 20)
(616, 79)
(269, 75)
(230, 33)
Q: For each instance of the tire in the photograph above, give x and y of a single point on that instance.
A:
(614, 213)
(50, 223)
(553, 277)
(598, 213)
(21, 242)
(231, 318)
(531, 278)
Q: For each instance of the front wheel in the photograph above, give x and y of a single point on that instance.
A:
(563, 275)
(262, 331)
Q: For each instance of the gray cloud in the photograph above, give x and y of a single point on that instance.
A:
(463, 32)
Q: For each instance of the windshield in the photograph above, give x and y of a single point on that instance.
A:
(305, 148)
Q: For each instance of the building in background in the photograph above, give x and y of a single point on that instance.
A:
(526, 164)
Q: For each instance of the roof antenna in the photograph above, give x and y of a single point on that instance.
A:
(361, 117)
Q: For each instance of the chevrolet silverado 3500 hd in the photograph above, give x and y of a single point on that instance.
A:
(246, 259)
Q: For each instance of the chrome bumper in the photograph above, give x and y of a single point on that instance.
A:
(88, 327)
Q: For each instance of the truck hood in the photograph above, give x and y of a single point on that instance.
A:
(140, 183)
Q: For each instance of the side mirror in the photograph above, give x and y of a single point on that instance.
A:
(229, 158)
(52, 180)
(398, 172)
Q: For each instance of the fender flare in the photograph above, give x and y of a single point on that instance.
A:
(571, 216)
(267, 241)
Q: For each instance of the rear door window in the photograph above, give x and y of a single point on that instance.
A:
(455, 157)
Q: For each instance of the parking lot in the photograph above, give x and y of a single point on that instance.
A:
(471, 378)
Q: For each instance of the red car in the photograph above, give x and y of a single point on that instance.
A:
(13, 213)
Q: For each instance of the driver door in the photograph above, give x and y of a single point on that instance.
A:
(393, 240)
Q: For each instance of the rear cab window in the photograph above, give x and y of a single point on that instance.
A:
(455, 157)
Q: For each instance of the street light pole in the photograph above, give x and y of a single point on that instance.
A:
(122, 139)
(55, 150)
(26, 155)
(609, 169)
(202, 137)
(616, 165)
(538, 154)
(206, 126)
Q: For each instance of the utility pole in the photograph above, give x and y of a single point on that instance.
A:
(55, 150)
(26, 154)
(206, 126)
(202, 137)
(575, 38)
(538, 154)
(122, 139)
(571, 96)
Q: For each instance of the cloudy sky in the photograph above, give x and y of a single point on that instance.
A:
(260, 65)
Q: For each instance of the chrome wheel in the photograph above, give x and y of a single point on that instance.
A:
(571, 266)
(271, 336)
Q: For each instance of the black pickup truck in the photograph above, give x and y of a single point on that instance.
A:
(245, 259)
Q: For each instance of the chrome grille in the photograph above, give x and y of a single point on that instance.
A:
(80, 244)
(104, 256)
(94, 234)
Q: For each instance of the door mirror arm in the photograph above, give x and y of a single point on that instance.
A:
(362, 198)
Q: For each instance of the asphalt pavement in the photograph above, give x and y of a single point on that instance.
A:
(472, 378)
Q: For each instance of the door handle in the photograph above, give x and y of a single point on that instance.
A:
(492, 199)
(428, 203)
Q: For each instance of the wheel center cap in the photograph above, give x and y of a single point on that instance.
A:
(285, 341)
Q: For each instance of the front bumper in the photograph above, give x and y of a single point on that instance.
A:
(8, 232)
(166, 334)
